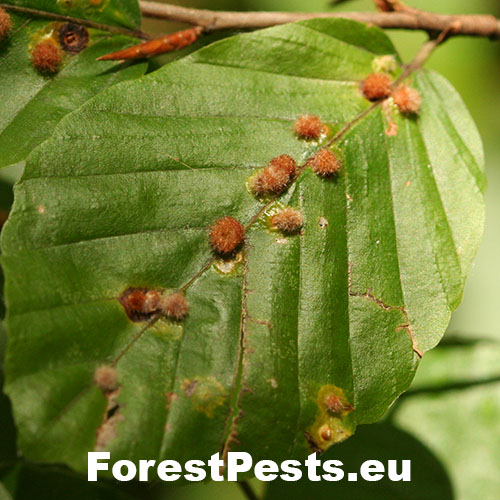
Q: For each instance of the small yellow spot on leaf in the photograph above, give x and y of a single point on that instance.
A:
(206, 393)
(322, 222)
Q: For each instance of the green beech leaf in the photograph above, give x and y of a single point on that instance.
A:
(123, 195)
(33, 103)
(7, 427)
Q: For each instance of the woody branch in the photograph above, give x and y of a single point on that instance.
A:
(399, 17)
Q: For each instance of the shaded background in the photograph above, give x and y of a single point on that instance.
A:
(448, 423)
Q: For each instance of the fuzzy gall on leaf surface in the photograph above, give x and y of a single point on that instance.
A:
(35, 92)
(290, 341)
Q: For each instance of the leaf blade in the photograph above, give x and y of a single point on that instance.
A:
(145, 175)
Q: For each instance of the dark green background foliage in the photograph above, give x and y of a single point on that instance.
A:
(124, 13)
(119, 213)
(33, 103)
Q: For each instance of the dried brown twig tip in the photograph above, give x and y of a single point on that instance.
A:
(288, 220)
(376, 86)
(226, 235)
(310, 127)
(325, 163)
(274, 178)
(407, 99)
(46, 57)
(5, 23)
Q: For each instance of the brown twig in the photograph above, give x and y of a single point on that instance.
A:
(426, 50)
(248, 490)
(410, 19)
(68, 19)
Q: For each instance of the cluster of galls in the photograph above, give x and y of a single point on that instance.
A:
(141, 304)
(377, 86)
(227, 234)
(275, 178)
(48, 54)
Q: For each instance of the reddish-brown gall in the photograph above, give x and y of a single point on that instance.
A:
(288, 220)
(106, 378)
(326, 433)
(46, 57)
(376, 86)
(284, 163)
(274, 178)
(334, 404)
(309, 127)
(407, 99)
(325, 163)
(226, 235)
(73, 37)
(5, 23)
(140, 304)
(174, 306)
